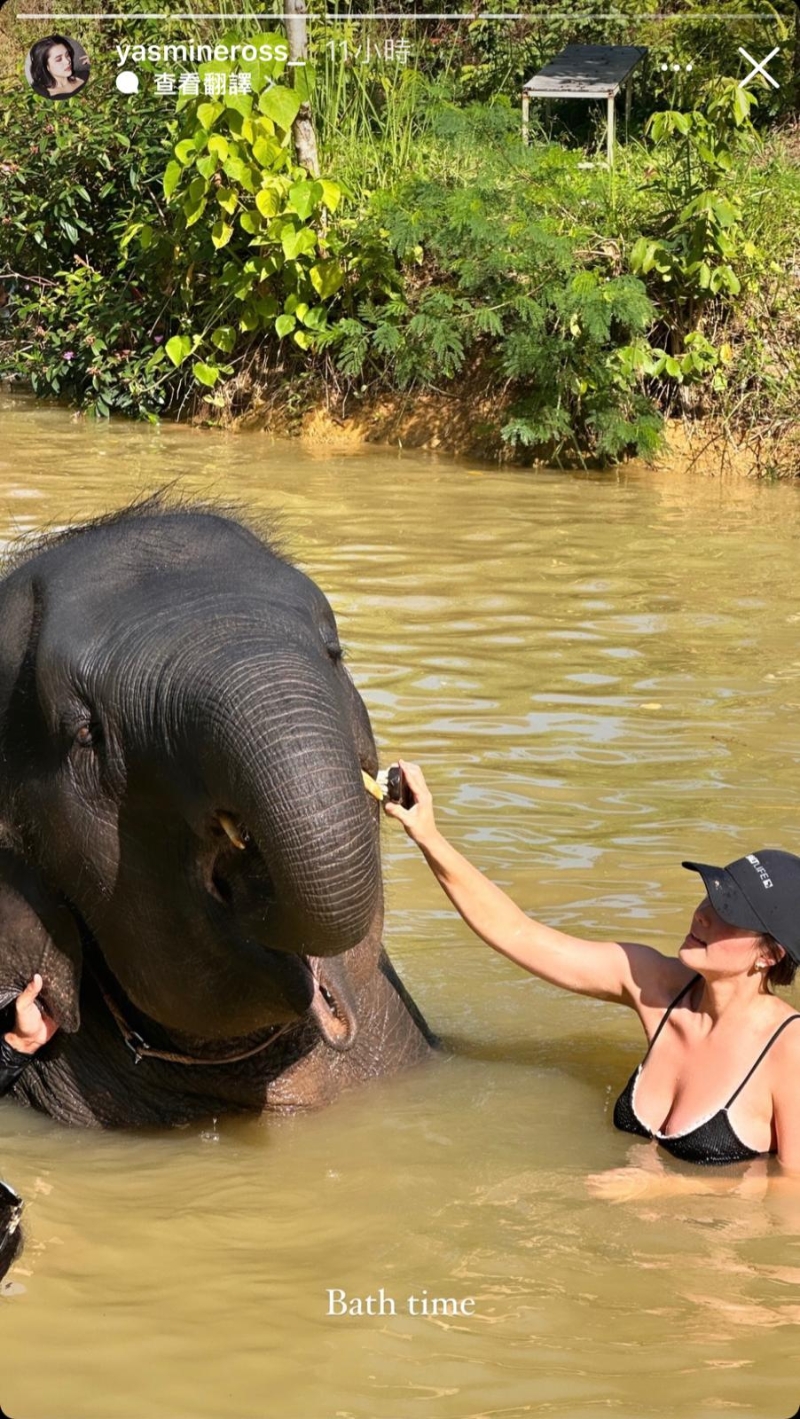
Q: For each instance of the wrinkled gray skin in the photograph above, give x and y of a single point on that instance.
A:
(158, 669)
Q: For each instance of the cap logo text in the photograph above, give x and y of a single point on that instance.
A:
(766, 880)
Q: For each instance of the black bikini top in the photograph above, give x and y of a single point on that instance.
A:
(712, 1140)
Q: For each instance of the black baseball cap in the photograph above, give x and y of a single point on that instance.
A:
(760, 892)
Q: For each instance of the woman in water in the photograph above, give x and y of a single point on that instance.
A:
(53, 68)
(719, 1081)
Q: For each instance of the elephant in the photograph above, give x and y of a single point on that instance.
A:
(188, 855)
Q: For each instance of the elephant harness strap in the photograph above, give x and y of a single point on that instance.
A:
(140, 1049)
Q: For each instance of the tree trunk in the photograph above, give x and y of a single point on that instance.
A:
(305, 139)
(796, 65)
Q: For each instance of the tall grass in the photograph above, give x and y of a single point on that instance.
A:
(374, 112)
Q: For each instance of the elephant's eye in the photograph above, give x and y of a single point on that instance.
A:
(88, 736)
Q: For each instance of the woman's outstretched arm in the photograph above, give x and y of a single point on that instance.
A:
(609, 970)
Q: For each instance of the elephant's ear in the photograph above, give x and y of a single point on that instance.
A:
(37, 929)
(38, 933)
(20, 615)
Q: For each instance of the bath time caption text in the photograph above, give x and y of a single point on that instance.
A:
(381, 1304)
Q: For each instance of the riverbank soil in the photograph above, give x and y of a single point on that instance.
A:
(468, 423)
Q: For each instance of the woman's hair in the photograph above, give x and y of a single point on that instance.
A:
(41, 78)
(783, 968)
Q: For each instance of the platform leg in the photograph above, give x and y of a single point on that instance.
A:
(610, 132)
(526, 112)
(628, 94)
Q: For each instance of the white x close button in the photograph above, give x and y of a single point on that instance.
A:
(759, 68)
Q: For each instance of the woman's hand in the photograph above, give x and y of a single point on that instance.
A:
(32, 1026)
(633, 1184)
(630, 1184)
(417, 821)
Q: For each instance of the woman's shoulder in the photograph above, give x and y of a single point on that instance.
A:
(785, 1037)
(659, 978)
(783, 1062)
(656, 981)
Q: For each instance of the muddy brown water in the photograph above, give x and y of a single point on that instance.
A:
(600, 675)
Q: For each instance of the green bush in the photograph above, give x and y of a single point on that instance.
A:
(495, 277)
(490, 58)
(164, 264)
(697, 247)
(80, 339)
(246, 234)
(85, 320)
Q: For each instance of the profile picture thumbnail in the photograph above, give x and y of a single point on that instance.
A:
(57, 67)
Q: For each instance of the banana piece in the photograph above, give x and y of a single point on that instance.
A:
(372, 786)
(227, 822)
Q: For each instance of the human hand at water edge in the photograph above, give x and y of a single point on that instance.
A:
(33, 1027)
(632, 1184)
(629, 1184)
(418, 821)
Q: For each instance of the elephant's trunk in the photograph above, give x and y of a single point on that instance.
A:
(285, 765)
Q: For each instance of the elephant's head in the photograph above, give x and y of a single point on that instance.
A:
(181, 749)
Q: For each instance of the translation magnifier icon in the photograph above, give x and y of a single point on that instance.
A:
(128, 82)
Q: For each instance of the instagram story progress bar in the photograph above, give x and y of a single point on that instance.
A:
(539, 13)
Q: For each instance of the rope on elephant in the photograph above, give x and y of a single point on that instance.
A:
(140, 1049)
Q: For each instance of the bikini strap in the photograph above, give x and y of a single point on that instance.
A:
(664, 1018)
(765, 1050)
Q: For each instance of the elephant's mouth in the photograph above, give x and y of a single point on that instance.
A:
(331, 1006)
